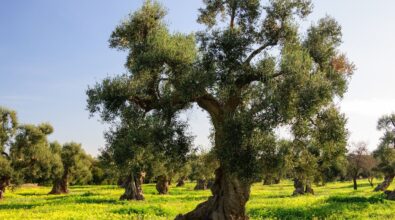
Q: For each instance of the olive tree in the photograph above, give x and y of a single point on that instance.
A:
(359, 162)
(73, 166)
(251, 70)
(385, 153)
(137, 143)
(203, 166)
(31, 154)
(319, 144)
(8, 126)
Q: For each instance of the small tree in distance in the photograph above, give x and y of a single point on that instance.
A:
(359, 162)
(75, 164)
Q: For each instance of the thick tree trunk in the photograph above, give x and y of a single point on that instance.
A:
(309, 189)
(228, 201)
(162, 185)
(201, 184)
(299, 187)
(181, 181)
(385, 184)
(4, 182)
(267, 180)
(60, 186)
(133, 189)
(354, 180)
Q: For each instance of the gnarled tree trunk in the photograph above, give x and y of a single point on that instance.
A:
(60, 185)
(299, 187)
(4, 182)
(133, 189)
(162, 185)
(201, 184)
(228, 201)
(181, 181)
(267, 180)
(385, 184)
(309, 189)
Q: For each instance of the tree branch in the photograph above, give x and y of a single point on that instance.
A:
(211, 105)
(258, 51)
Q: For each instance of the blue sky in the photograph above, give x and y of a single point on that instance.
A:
(50, 51)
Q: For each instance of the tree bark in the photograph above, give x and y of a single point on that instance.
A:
(60, 185)
(201, 184)
(4, 182)
(133, 189)
(355, 183)
(299, 187)
(228, 201)
(309, 189)
(162, 185)
(385, 184)
(181, 181)
(277, 180)
(267, 180)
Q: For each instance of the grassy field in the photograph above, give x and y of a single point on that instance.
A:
(334, 201)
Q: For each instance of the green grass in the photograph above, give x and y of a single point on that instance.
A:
(333, 201)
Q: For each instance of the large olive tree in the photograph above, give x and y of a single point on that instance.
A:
(251, 70)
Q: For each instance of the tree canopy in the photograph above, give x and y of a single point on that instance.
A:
(252, 71)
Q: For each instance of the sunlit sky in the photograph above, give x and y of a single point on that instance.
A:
(50, 51)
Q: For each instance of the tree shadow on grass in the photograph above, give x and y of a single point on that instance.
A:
(96, 201)
(32, 194)
(352, 185)
(322, 210)
(17, 206)
(149, 210)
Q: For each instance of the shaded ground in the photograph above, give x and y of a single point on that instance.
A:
(333, 201)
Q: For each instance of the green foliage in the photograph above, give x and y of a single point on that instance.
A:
(8, 125)
(203, 166)
(31, 154)
(76, 163)
(385, 152)
(253, 71)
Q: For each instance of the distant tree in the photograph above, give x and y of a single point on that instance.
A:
(8, 126)
(106, 165)
(137, 143)
(75, 165)
(319, 144)
(203, 166)
(385, 153)
(182, 175)
(251, 70)
(359, 162)
(31, 154)
(274, 156)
